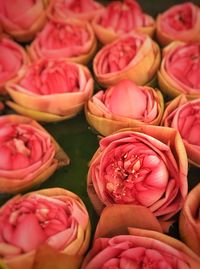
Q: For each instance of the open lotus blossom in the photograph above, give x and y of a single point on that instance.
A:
(70, 39)
(28, 154)
(22, 19)
(12, 58)
(51, 90)
(143, 166)
(121, 242)
(179, 22)
(189, 221)
(122, 17)
(80, 9)
(44, 229)
(124, 105)
(179, 71)
(133, 56)
(184, 115)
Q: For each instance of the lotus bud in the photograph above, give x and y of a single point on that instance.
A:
(51, 90)
(29, 155)
(70, 39)
(122, 17)
(23, 19)
(46, 229)
(133, 56)
(124, 105)
(180, 22)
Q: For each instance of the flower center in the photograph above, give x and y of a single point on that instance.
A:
(134, 173)
(119, 55)
(182, 20)
(127, 173)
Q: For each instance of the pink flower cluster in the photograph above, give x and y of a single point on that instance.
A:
(135, 80)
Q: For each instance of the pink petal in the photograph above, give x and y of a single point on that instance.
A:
(14, 8)
(19, 161)
(36, 150)
(6, 158)
(63, 239)
(28, 234)
(121, 99)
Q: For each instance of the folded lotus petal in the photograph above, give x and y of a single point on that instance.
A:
(51, 90)
(12, 59)
(63, 238)
(43, 116)
(47, 258)
(83, 9)
(183, 115)
(115, 220)
(179, 70)
(52, 219)
(69, 39)
(133, 56)
(179, 22)
(8, 250)
(29, 155)
(120, 18)
(189, 225)
(143, 166)
(22, 19)
(124, 105)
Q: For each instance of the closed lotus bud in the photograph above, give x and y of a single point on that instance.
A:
(189, 221)
(82, 9)
(70, 39)
(12, 58)
(147, 167)
(122, 17)
(133, 56)
(123, 242)
(179, 72)
(28, 154)
(124, 105)
(44, 229)
(51, 90)
(179, 22)
(183, 115)
(22, 19)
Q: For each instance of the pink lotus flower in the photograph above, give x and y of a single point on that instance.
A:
(124, 105)
(119, 244)
(22, 19)
(81, 9)
(44, 229)
(12, 58)
(179, 71)
(122, 17)
(51, 90)
(145, 167)
(28, 154)
(133, 56)
(189, 221)
(69, 39)
(180, 22)
(184, 116)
